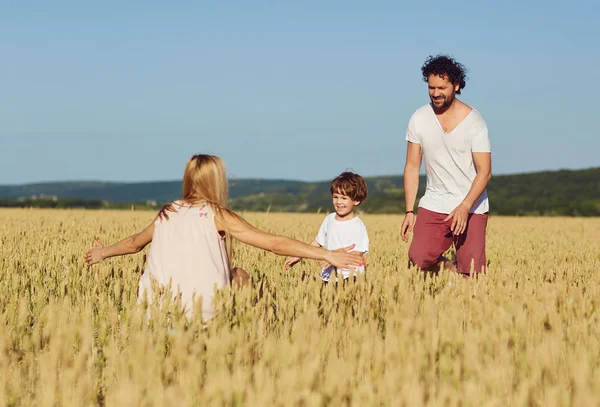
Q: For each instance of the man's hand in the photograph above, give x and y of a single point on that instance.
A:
(459, 217)
(407, 226)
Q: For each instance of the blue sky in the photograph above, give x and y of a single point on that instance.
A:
(127, 91)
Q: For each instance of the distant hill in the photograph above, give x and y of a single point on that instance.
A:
(564, 192)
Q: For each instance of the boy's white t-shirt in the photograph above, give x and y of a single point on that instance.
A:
(448, 157)
(335, 234)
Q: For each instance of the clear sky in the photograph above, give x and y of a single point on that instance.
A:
(128, 90)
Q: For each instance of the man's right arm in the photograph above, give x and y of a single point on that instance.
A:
(414, 155)
(411, 174)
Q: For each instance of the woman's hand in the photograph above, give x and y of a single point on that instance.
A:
(343, 258)
(95, 254)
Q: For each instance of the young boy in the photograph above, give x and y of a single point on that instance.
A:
(342, 228)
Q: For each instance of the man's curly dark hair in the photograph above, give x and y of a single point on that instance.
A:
(443, 65)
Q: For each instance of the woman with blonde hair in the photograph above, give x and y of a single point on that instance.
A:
(191, 240)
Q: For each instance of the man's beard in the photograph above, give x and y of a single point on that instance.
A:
(446, 104)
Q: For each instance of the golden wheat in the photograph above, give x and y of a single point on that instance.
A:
(527, 334)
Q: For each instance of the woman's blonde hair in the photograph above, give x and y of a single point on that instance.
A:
(204, 180)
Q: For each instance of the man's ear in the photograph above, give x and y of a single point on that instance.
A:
(356, 203)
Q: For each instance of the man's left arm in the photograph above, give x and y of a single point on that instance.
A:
(483, 166)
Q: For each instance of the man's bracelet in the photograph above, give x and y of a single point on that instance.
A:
(407, 212)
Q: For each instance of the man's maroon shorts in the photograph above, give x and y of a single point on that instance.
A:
(432, 237)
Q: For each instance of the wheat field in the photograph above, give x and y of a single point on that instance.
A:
(526, 334)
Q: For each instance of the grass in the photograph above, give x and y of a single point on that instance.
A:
(527, 334)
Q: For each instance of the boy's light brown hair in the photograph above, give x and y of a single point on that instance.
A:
(350, 184)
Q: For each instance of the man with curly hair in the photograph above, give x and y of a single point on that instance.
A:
(453, 138)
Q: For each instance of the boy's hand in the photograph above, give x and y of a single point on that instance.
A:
(94, 254)
(290, 262)
(324, 265)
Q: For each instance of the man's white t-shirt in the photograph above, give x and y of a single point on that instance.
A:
(335, 234)
(448, 158)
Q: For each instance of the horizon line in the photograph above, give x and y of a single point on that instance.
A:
(271, 179)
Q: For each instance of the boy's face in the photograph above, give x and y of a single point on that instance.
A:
(343, 204)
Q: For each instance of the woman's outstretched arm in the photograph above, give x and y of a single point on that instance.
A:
(291, 261)
(129, 245)
(281, 245)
